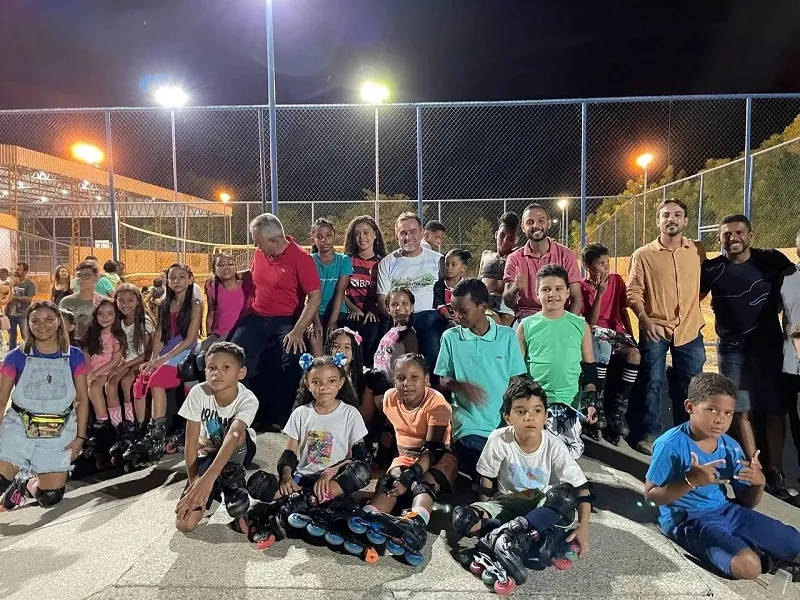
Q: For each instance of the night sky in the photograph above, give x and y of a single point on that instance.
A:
(68, 53)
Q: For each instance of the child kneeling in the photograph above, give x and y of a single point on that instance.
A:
(219, 440)
(530, 488)
(690, 466)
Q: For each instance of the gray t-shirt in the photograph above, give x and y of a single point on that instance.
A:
(82, 309)
(23, 288)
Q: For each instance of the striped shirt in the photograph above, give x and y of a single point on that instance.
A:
(363, 287)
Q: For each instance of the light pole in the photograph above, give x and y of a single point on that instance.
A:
(173, 97)
(563, 205)
(225, 197)
(377, 94)
(643, 160)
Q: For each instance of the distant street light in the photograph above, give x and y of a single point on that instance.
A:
(171, 96)
(563, 206)
(225, 197)
(643, 160)
(374, 93)
(377, 94)
(87, 153)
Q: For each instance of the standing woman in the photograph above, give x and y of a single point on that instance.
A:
(62, 285)
(364, 244)
(44, 429)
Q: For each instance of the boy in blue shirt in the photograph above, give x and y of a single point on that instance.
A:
(690, 466)
(476, 363)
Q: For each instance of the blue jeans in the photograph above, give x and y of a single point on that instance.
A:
(687, 361)
(715, 537)
(255, 334)
(18, 321)
(756, 375)
(430, 326)
(468, 449)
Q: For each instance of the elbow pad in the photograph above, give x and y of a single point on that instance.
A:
(287, 459)
(437, 449)
(361, 452)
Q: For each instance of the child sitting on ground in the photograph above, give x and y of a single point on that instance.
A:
(530, 488)
(219, 440)
(606, 311)
(325, 455)
(690, 466)
(456, 262)
(557, 345)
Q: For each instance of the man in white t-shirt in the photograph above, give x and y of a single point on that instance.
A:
(219, 439)
(416, 268)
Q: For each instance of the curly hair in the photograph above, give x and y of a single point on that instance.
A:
(347, 394)
(350, 246)
(356, 365)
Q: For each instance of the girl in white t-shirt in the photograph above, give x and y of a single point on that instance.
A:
(137, 324)
(325, 455)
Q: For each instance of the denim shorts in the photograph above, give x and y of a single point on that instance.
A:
(36, 455)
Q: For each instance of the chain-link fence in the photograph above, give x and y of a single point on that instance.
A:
(464, 164)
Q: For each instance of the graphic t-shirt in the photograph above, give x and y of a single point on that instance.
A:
(132, 352)
(23, 288)
(363, 288)
(324, 440)
(215, 420)
(419, 274)
(391, 347)
(82, 309)
(329, 274)
(672, 460)
(746, 299)
(517, 471)
(411, 425)
(14, 362)
(612, 304)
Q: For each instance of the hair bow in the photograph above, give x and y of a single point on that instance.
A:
(305, 361)
(340, 359)
(355, 334)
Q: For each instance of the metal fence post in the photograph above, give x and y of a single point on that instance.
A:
(273, 141)
(616, 249)
(420, 205)
(377, 166)
(584, 144)
(111, 195)
(700, 209)
(262, 166)
(748, 124)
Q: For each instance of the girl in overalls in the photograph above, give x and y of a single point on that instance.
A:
(175, 337)
(44, 429)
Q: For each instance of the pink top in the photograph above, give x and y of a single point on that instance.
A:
(228, 307)
(110, 346)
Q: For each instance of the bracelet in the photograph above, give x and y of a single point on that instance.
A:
(689, 483)
(80, 437)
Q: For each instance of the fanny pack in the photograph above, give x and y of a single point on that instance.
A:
(42, 425)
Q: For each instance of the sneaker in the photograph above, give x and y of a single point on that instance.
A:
(645, 446)
(16, 494)
(776, 486)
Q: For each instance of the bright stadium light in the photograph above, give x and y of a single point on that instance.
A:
(171, 96)
(374, 93)
(644, 160)
(225, 197)
(87, 153)
(563, 204)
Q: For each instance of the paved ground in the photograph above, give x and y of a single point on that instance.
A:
(115, 539)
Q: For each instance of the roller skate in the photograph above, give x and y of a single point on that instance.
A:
(147, 451)
(16, 494)
(330, 522)
(617, 429)
(175, 442)
(591, 399)
(98, 446)
(234, 493)
(403, 536)
(126, 436)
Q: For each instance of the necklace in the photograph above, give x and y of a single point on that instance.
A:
(48, 378)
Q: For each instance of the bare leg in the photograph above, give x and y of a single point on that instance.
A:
(98, 398)
(127, 386)
(742, 432)
(159, 406)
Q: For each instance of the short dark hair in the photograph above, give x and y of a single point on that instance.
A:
(680, 203)
(535, 206)
(728, 219)
(25, 266)
(474, 288)
(591, 252)
(510, 220)
(91, 257)
(86, 265)
(401, 290)
(552, 271)
(67, 315)
(110, 266)
(463, 255)
(4, 270)
(519, 388)
(405, 216)
(705, 385)
(435, 226)
(234, 350)
(413, 357)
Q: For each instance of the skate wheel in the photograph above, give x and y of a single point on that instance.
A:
(476, 568)
(334, 539)
(241, 525)
(315, 530)
(503, 588)
(375, 537)
(370, 556)
(489, 578)
(414, 559)
(114, 461)
(561, 563)
(128, 467)
(265, 542)
(394, 548)
(356, 525)
(298, 521)
(572, 552)
(464, 558)
(353, 548)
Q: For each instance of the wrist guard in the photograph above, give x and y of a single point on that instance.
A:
(589, 373)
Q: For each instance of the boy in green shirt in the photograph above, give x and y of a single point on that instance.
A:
(557, 346)
(476, 362)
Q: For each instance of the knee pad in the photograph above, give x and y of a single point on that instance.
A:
(187, 368)
(562, 498)
(47, 498)
(4, 484)
(464, 518)
(377, 381)
(262, 486)
(353, 477)
(422, 487)
(361, 451)
(385, 483)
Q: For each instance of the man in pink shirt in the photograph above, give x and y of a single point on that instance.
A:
(287, 297)
(523, 264)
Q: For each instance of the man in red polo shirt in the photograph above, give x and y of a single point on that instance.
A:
(287, 298)
(523, 264)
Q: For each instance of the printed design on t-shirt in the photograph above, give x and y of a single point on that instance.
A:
(563, 421)
(320, 447)
(383, 355)
(414, 283)
(213, 428)
(523, 477)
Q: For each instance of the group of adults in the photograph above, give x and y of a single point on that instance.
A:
(750, 288)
